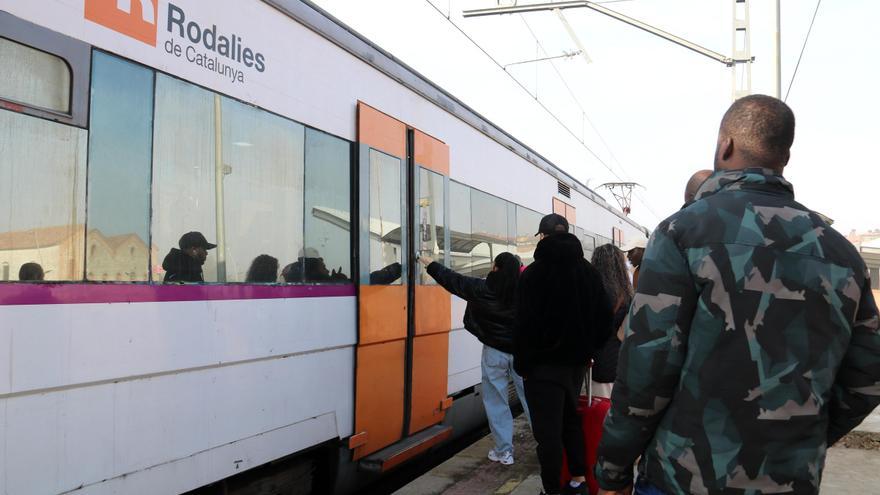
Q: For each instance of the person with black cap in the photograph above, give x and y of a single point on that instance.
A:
(185, 264)
(563, 317)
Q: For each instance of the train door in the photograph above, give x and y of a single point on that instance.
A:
(432, 311)
(404, 319)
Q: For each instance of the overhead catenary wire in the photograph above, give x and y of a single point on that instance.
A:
(588, 119)
(803, 48)
(544, 107)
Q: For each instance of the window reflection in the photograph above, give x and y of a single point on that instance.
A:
(231, 173)
(119, 170)
(432, 221)
(39, 79)
(42, 196)
(460, 227)
(588, 241)
(183, 170)
(261, 188)
(385, 219)
(327, 208)
(488, 231)
(526, 226)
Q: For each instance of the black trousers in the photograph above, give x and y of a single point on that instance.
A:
(552, 393)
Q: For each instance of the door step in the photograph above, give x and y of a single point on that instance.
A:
(404, 450)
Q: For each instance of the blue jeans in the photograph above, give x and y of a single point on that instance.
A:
(497, 369)
(645, 488)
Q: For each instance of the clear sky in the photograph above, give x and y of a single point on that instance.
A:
(648, 109)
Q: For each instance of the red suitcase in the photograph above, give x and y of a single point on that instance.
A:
(592, 413)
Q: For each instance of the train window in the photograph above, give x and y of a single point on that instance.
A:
(601, 240)
(460, 228)
(488, 231)
(184, 181)
(511, 227)
(120, 136)
(328, 206)
(432, 221)
(259, 181)
(589, 243)
(386, 228)
(39, 80)
(526, 226)
(42, 196)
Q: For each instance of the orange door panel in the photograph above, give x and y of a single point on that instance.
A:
(433, 310)
(431, 153)
(379, 396)
(570, 215)
(429, 377)
(558, 207)
(380, 131)
(382, 313)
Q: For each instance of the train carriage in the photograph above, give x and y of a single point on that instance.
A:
(272, 129)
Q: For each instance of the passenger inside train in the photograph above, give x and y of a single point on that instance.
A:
(263, 270)
(30, 272)
(185, 264)
(310, 267)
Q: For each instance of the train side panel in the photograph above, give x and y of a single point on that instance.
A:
(169, 395)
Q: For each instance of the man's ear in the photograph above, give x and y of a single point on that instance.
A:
(727, 148)
(787, 158)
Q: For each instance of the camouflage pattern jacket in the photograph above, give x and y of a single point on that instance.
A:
(751, 345)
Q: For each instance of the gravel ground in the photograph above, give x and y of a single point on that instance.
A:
(860, 440)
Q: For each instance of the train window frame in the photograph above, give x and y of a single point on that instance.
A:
(76, 54)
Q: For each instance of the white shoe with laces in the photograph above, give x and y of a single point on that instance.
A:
(505, 458)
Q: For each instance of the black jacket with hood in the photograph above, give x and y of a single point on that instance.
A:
(486, 316)
(563, 312)
(180, 267)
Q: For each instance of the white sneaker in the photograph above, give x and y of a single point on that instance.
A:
(505, 458)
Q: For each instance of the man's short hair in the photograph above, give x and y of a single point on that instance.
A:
(762, 128)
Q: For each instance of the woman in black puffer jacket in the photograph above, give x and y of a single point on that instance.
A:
(609, 261)
(490, 316)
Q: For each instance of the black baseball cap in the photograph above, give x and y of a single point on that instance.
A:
(552, 224)
(194, 239)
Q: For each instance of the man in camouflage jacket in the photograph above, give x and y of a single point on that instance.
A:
(752, 344)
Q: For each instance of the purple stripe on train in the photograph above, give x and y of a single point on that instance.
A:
(48, 293)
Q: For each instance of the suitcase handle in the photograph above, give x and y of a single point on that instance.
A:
(589, 379)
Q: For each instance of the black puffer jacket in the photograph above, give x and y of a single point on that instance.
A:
(564, 315)
(180, 267)
(488, 318)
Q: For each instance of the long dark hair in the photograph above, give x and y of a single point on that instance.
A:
(263, 270)
(609, 262)
(503, 281)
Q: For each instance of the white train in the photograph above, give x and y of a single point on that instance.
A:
(272, 129)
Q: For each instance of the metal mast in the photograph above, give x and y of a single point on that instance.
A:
(622, 192)
(742, 49)
(777, 52)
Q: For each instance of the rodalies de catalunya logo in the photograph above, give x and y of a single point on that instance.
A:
(210, 48)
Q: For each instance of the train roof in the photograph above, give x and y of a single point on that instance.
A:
(329, 27)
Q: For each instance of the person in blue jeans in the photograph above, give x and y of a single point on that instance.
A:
(489, 316)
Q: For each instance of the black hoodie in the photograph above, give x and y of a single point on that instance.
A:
(563, 312)
(180, 267)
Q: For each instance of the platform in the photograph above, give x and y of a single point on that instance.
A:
(848, 471)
